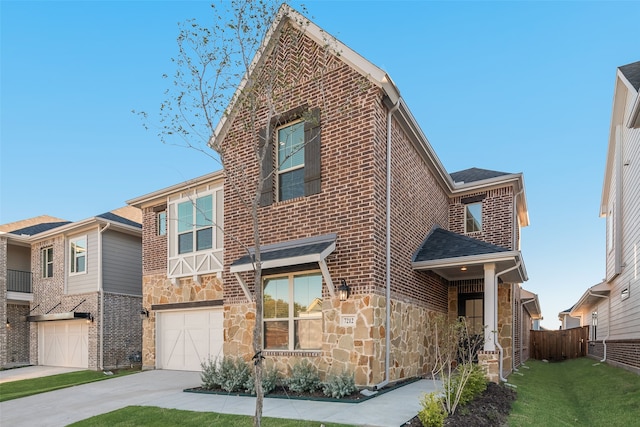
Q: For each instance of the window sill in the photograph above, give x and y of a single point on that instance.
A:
(304, 353)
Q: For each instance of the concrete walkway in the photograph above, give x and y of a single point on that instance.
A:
(165, 389)
(28, 372)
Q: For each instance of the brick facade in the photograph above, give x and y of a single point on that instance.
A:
(4, 349)
(351, 204)
(621, 353)
(497, 217)
(17, 335)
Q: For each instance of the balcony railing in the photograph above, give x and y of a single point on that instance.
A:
(19, 281)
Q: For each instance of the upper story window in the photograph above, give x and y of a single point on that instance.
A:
(46, 261)
(195, 225)
(294, 150)
(78, 255)
(594, 326)
(473, 217)
(161, 223)
(292, 311)
(610, 229)
(290, 147)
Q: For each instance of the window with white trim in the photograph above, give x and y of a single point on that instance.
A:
(290, 170)
(78, 255)
(473, 217)
(46, 259)
(594, 326)
(195, 225)
(292, 310)
(161, 223)
(610, 229)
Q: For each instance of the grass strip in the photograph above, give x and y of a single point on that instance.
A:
(575, 392)
(162, 417)
(16, 389)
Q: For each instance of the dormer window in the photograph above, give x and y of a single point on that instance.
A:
(473, 217)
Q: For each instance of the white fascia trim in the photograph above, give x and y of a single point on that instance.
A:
(19, 296)
(161, 195)
(514, 256)
(600, 287)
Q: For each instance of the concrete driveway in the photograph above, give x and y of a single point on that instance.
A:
(165, 389)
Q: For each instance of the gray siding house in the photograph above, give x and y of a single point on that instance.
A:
(80, 292)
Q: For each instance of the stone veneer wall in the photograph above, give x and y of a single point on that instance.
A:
(359, 349)
(157, 289)
(505, 326)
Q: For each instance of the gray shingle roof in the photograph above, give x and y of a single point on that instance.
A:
(475, 174)
(39, 228)
(632, 73)
(444, 244)
(289, 252)
(117, 218)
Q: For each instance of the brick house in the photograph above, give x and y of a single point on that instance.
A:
(611, 308)
(72, 291)
(366, 205)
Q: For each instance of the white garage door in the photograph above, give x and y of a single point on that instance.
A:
(63, 343)
(188, 337)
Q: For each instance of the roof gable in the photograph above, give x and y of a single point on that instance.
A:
(632, 73)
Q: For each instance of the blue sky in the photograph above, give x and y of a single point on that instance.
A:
(509, 86)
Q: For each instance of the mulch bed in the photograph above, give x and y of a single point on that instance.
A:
(490, 409)
(282, 392)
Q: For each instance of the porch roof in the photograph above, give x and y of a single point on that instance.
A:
(283, 254)
(457, 257)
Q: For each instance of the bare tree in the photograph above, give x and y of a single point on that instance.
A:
(234, 78)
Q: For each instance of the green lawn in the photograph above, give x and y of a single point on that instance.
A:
(152, 416)
(579, 392)
(15, 389)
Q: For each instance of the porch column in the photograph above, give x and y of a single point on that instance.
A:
(490, 305)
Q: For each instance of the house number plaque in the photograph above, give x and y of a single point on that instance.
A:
(348, 320)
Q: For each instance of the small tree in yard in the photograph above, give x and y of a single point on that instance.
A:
(456, 352)
(233, 80)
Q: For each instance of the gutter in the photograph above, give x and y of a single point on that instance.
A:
(387, 331)
(604, 340)
(101, 294)
(495, 314)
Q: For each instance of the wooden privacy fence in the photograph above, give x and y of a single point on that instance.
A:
(559, 345)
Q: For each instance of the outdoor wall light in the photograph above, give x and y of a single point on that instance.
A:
(8, 323)
(90, 319)
(463, 268)
(343, 291)
(144, 313)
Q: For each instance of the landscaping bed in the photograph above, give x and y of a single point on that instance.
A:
(491, 408)
(281, 392)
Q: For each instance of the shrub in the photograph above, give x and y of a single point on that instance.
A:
(270, 379)
(209, 375)
(229, 374)
(432, 413)
(304, 377)
(338, 386)
(465, 384)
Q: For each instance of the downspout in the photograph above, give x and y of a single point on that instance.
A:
(604, 340)
(387, 352)
(495, 314)
(101, 294)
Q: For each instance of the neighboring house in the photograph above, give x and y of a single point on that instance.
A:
(567, 321)
(371, 208)
(73, 291)
(612, 308)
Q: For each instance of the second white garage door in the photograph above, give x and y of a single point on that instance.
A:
(188, 337)
(63, 343)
